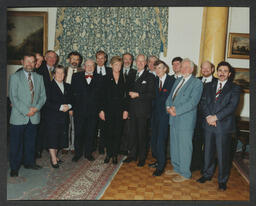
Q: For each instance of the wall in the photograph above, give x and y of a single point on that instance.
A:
(239, 22)
(184, 32)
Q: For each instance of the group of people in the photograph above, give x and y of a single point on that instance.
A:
(83, 107)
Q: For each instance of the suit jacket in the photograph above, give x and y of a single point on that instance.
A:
(159, 109)
(86, 98)
(115, 96)
(224, 108)
(70, 73)
(185, 103)
(108, 71)
(145, 86)
(55, 99)
(129, 79)
(43, 70)
(20, 96)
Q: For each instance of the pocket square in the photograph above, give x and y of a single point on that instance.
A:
(143, 82)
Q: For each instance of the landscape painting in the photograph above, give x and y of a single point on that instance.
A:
(26, 33)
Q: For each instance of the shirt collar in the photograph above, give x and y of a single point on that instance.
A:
(163, 78)
(208, 79)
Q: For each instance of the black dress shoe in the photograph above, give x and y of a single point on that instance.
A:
(128, 159)
(60, 161)
(107, 159)
(55, 166)
(14, 173)
(76, 158)
(203, 179)
(141, 163)
(33, 167)
(222, 186)
(114, 160)
(153, 165)
(90, 158)
(158, 172)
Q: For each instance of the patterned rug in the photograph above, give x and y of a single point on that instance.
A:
(242, 164)
(83, 180)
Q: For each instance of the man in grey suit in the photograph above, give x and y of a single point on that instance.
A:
(27, 95)
(181, 104)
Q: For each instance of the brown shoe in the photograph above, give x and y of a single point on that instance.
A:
(64, 151)
(179, 179)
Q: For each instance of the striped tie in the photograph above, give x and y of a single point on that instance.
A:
(31, 86)
(218, 92)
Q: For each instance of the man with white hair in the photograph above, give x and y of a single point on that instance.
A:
(181, 104)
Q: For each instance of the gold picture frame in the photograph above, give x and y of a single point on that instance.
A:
(238, 46)
(27, 33)
(242, 78)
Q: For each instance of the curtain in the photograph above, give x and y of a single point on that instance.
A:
(115, 30)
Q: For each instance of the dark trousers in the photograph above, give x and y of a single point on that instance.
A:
(41, 129)
(126, 136)
(101, 126)
(84, 133)
(139, 138)
(198, 149)
(22, 137)
(159, 139)
(220, 143)
(114, 128)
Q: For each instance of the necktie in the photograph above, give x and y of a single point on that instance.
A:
(31, 86)
(101, 71)
(204, 82)
(161, 85)
(177, 90)
(137, 76)
(218, 92)
(50, 73)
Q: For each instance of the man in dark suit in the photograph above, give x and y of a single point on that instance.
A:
(129, 76)
(207, 70)
(160, 117)
(141, 93)
(86, 93)
(46, 70)
(27, 96)
(75, 60)
(102, 70)
(219, 103)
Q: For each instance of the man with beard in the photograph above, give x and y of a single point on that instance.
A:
(27, 95)
(75, 60)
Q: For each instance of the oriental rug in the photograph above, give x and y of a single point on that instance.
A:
(83, 180)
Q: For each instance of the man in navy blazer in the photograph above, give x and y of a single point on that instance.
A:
(182, 107)
(219, 103)
(207, 70)
(160, 117)
(27, 95)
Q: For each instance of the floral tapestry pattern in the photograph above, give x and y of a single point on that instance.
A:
(115, 30)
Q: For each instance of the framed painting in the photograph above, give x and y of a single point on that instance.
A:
(238, 46)
(242, 78)
(27, 32)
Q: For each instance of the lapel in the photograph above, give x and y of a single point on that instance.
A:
(213, 90)
(175, 85)
(142, 76)
(225, 90)
(24, 80)
(185, 86)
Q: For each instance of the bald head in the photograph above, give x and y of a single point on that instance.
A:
(141, 62)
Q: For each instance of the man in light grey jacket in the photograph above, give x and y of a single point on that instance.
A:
(27, 95)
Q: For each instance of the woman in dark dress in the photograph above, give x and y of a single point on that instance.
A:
(58, 104)
(114, 108)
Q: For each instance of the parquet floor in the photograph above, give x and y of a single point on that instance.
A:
(135, 183)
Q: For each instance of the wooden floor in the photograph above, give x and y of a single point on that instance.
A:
(135, 183)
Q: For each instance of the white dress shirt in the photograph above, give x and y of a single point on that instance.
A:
(89, 79)
(222, 85)
(207, 79)
(162, 79)
(103, 70)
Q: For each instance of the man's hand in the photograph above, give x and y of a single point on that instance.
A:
(134, 94)
(31, 112)
(125, 115)
(171, 110)
(102, 115)
(65, 107)
(212, 120)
